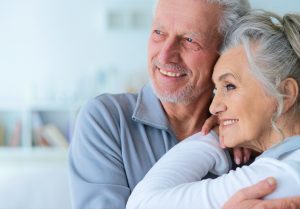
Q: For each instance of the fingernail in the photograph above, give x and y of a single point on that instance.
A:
(237, 160)
(245, 159)
(204, 131)
(271, 181)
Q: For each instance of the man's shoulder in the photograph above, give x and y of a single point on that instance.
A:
(111, 103)
(122, 99)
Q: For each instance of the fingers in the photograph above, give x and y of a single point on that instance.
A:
(258, 190)
(296, 201)
(246, 155)
(237, 155)
(277, 204)
(209, 124)
(250, 198)
(241, 155)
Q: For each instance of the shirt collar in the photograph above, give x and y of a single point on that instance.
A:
(289, 145)
(148, 109)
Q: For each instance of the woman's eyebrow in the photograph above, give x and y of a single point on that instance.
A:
(224, 76)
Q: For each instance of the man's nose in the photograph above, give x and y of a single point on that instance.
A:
(170, 52)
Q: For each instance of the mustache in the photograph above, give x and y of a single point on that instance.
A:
(176, 67)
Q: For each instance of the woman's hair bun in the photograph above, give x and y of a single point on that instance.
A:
(291, 28)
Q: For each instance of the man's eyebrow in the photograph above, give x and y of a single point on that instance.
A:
(157, 24)
(197, 34)
(201, 36)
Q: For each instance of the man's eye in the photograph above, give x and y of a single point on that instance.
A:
(189, 40)
(158, 32)
(157, 35)
(190, 43)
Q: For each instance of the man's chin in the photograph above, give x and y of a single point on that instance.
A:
(183, 95)
(172, 97)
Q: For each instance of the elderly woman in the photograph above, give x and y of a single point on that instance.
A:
(257, 82)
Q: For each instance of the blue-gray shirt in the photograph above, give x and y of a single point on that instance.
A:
(117, 140)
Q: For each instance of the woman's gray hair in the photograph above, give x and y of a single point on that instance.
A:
(272, 45)
(232, 11)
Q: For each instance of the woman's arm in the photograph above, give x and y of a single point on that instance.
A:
(187, 162)
(174, 182)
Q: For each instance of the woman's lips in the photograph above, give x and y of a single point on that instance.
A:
(228, 122)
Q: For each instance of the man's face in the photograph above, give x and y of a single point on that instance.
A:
(182, 49)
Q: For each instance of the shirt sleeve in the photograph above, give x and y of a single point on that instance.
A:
(175, 181)
(96, 170)
(169, 183)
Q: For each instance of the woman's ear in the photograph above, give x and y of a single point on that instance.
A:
(290, 89)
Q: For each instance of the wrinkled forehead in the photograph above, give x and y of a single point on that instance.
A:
(197, 15)
(156, 2)
(194, 7)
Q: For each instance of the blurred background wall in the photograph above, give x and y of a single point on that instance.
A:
(54, 55)
(54, 50)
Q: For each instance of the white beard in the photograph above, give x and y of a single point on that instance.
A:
(184, 95)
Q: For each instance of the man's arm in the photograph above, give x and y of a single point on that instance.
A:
(250, 198)
(97, 174)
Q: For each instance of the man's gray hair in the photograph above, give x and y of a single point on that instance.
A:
(233, 10)
(272, 46)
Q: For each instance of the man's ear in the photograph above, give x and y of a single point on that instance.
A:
(290, 89)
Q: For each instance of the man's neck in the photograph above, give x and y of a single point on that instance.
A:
(187, 119)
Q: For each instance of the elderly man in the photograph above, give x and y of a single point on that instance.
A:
(118, 138)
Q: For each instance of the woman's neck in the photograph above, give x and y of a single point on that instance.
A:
(287, 127)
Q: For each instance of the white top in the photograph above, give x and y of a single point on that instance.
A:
(175, 182)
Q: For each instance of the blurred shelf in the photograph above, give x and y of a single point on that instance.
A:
(36, 132)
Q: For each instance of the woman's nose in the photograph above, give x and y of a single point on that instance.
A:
(217, 105)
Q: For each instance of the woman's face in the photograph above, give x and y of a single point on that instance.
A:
(241, 103)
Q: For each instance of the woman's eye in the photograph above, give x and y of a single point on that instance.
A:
(230, 87)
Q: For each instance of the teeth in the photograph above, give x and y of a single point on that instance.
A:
(170, 74)
(229, 122)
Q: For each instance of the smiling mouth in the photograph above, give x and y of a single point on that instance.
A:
(171, 74)
(229, 122)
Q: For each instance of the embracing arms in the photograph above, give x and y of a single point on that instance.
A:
(173, 182)
(251, 198)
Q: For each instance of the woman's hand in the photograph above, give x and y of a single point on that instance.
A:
(211, 123)
(241, 155)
